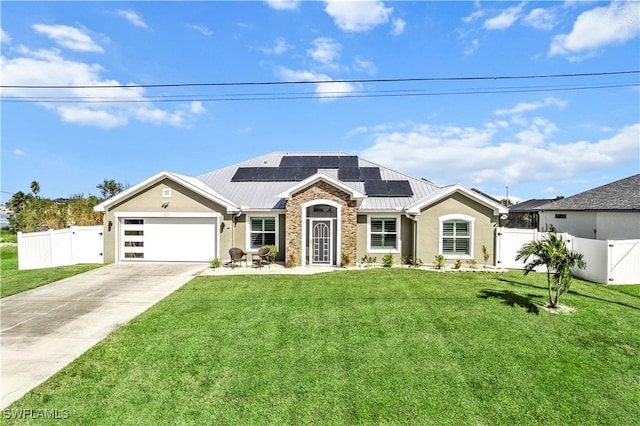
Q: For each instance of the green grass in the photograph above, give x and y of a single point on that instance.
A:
(8, 237)
(13, 281)
(633, 290)
(380, 346)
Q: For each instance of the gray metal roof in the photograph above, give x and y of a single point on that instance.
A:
(622, 195)
(263, 195)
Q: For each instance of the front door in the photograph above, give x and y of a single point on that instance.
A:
(321, 247)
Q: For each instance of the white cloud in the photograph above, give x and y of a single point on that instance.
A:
(541, 19)
(4, 37)
(357, 16)
(19, 153)
(505, 19)
(325, 90)
(201, 29)
(616, 23)
(474, 16)
(398, 26)
(363, 65)
(69, 37)
(49, 67)
(133, 18)
(283, 4)
(472, 48)
(325, 51)
(280, 47)
(474, 156)
(523, 107)
(244, 130)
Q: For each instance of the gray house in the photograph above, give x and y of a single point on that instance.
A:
(317, 208)
(609, 212)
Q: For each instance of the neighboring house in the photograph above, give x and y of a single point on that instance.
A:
(609, 212)
(317, 208)
(524, 215)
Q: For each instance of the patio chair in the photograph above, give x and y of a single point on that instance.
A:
(262, 257)
(237, 256)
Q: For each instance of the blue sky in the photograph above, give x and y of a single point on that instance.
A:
(541, 137)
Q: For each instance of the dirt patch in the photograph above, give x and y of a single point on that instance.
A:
(560, 309)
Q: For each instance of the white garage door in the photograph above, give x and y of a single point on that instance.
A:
(168, 239)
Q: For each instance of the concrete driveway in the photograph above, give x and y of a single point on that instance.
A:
(46, 328)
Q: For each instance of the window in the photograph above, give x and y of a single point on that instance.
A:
(262, 232)
(456, 236)
(561, 215)
(383, 234)
(166, 192)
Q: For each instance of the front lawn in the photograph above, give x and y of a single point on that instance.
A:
(381, 346)
(13, 281)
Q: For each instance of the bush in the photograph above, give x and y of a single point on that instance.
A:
(413, 261)
(273, 252)
(346, 259)
(368, 260)
(215, 263)
(439, 261)
(458, 264)
(387, 260)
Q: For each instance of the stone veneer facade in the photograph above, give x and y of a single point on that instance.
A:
(349, 214)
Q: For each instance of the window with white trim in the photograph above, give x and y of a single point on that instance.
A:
(262, 232)
(383, 234)
(456, 236)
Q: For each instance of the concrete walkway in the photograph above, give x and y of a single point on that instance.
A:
(46, 328)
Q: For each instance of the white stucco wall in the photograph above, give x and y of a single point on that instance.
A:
(596, 225)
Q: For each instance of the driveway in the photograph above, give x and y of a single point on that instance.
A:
(46, 328)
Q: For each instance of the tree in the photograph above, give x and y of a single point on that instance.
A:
(109, 187)
(35, 188)
(19, 201)
(552, 252)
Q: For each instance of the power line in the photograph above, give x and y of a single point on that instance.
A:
(274, 83)
(303, 95)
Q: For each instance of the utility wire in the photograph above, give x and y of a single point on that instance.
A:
(274, 83)
(305, 95)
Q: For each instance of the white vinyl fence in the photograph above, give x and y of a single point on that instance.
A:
(608, 261)
(70, 246)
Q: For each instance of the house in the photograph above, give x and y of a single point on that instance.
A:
(524, 215)
(317, 208)
(609, 212)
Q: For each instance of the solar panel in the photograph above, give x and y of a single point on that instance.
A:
(290, 161)
(286, 174)
(264, 174)
(369, 173)
(304, 172)
(309, 161)
(400, 188)
(376, 188)
(243, 174)
(349, 174)
(348, 161)
(328, 162)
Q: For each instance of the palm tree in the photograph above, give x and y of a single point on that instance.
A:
(552, 252)
(35, 188)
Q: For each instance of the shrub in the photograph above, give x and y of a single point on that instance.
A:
(215, 263)
(485, 255)
(346, 259)
(368, 260)
(413, 261)
(273, 252)
(458, 264)
(472, 263)
(292, 260)
(387, 260)
(439, 261)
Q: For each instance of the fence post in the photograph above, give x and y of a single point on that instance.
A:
(498, 256)
(20, 249)
(72, 229)
(609, 275)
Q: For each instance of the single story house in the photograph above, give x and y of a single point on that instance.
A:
(609, 212)
(524, 214)
(317, 208)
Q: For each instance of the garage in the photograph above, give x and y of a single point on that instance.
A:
(168, 239)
